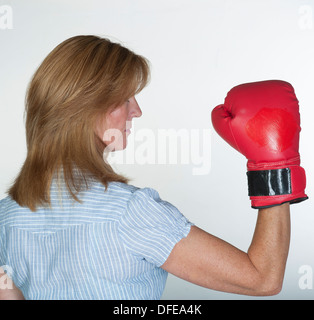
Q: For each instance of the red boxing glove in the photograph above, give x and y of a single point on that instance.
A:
(262, 121)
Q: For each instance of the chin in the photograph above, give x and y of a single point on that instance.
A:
(111, 146)
(117, 148)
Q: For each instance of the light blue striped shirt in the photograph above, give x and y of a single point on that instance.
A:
(110, 246)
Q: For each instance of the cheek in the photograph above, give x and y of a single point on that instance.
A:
(110, 128)
(113, 138)
(104, 123)
(117, 118)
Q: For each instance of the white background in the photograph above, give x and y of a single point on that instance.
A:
(199, 50)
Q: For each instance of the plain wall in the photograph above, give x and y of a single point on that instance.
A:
(198, 50)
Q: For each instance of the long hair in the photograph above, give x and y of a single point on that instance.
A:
(81, 80)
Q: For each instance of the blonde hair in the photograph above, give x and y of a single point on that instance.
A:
(82, 79)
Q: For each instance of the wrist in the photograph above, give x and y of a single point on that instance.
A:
(272, 187)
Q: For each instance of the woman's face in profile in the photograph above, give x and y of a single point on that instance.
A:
(114, 129)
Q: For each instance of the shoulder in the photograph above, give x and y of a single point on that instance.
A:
(7, 204)
(118, 196)
(136, 196)
(145, 207)
(134, 190)
(149, 227)
(9, 209)
(116, 191)
(121, 188)
(127, 191)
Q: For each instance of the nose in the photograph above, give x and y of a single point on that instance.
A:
(135, 108)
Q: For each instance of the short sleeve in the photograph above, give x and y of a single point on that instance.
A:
(150, 227)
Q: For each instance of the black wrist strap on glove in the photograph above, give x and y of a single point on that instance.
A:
(269, 182)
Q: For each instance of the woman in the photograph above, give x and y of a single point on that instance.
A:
(71, 228)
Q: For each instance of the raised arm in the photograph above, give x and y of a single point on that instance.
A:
(205, 260)
(261, 120)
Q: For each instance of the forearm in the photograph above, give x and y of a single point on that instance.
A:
(269, 249)
(8, 290)
(11, 294)
(260, 270)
